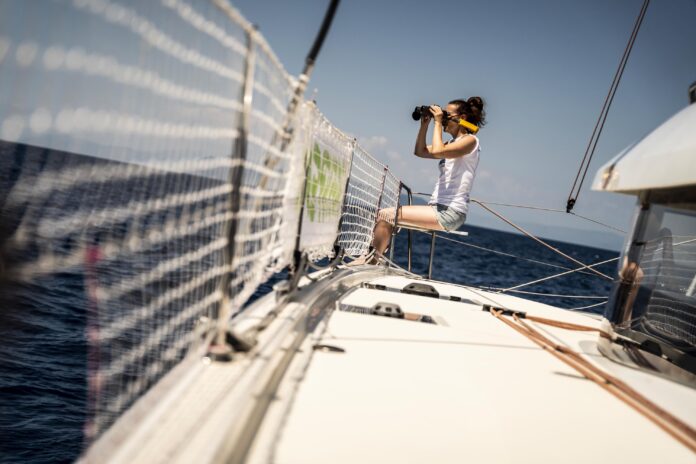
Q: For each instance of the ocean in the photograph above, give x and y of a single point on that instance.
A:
(43, 353)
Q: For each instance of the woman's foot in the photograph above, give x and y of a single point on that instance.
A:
(373, 257)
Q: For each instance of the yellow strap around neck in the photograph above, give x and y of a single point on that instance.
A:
(472, 127)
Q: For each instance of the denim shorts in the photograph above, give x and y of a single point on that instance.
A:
(448, 218)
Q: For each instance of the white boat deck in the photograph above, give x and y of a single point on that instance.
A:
(466, 389)
(473, 390)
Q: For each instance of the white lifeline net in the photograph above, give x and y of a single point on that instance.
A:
(124, 182)
(362, 203)
(118, 128)
(261, 244)
(390, 198)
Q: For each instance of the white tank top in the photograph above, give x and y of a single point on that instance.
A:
(456, 180)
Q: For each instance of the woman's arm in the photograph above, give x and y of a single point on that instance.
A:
(438, 149)
(456, 149)
(421, 150)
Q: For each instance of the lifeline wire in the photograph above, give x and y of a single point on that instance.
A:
(541, 241)
(559, 295)
(506, 254)
(559, 275)
(541, 208)
(597, 131)
(588, 306)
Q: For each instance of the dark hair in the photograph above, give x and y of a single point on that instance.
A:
(472, 109)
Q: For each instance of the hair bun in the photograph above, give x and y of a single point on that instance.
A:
(472, 109)
(476, 102)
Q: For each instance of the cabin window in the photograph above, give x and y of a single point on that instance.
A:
(655, 296)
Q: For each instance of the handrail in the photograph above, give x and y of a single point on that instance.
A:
(410, 236)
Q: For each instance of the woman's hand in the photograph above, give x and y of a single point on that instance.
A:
(437, 113)
(630, 272)
(425, 119)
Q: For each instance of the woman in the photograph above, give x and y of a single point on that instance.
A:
(449, 203)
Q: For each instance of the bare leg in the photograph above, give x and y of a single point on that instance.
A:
(420, 215)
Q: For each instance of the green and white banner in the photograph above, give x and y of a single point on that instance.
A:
(327, 167)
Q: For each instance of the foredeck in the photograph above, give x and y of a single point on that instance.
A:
(364, 388)
(469, 389)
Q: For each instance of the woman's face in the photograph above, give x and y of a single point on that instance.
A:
(453, 122)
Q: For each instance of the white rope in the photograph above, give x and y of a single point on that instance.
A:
(588, 306)
(538, 240)
(559, 275)
(540, 208)
(557, 295)
(508, 254)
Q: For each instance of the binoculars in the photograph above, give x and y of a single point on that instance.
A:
(419, 111)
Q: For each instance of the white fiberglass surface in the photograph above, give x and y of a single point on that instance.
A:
(498, 300)
(663, 159)
(472, 391)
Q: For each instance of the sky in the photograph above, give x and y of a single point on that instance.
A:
(543, 68)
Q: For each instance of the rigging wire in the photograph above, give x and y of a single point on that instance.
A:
(498, 304)
(557, 295)
(538, 240)
(588, 306)
(471, 288)
(599, 126)
(541, 208)
(559, 275)
(506, 254)
(600, 223)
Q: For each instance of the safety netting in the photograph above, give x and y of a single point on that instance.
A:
(362, 201)
(264, 178)
(151, 168)
(654, 301)
(327, 169)
(391, 189)
(668, 269)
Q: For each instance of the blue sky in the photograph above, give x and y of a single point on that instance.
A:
(543, 67)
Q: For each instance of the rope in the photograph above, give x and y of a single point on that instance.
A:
(391, 263)
(597, 222)
(558, 275)
(553, 210)
(541, 241)
(599, 126)
(589, 306)
(582, 297)
(359, 259)
(567, 325)
(541, 208)
(569, 272)
(507, 254)
(671, 424)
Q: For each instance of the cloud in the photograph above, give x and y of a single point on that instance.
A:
(393, 155)
(381, 148)
(374, 144)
